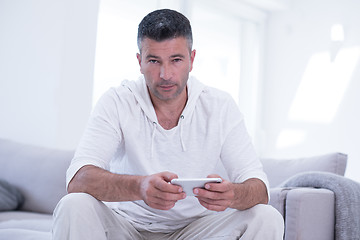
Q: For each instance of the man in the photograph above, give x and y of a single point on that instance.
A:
(145, 133)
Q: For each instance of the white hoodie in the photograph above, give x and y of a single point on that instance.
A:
(123, 135)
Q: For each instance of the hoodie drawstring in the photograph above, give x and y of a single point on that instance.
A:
(152, 141)
(181, 133)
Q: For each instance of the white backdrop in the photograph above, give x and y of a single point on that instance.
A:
(312, 84)
(47, 51)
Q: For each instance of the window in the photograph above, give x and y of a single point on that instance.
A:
(217, 42)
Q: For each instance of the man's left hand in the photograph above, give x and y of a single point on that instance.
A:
(241, 196)
(216, 196)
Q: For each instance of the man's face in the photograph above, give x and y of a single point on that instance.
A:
(166, 66)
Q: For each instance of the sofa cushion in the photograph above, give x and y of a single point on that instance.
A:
(278, 199)
(24, 234)
(10, 197)
(22, 215)
(279, 170)
(38, 172)
(44, 225)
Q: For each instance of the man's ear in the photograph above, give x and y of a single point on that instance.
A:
(192, 57)
(138, 56)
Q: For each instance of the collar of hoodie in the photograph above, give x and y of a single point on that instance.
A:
(140, 91)
(180, 125)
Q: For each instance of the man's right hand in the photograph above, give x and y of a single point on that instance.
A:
(157, 192)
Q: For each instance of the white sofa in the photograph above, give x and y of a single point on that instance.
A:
(39, 174)
(309, 213)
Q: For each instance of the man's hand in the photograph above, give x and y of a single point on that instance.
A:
(155, 189)
(157, 193)
(216, 196)
(220, 196)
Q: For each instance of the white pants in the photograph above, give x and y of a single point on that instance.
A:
(81, 216)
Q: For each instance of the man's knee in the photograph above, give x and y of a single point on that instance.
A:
(268, 217)
(75, 202)
(267, 210)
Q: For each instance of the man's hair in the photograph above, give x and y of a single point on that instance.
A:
(163, 25)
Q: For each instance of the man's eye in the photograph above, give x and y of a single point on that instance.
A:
(177, 60)
(153, 61)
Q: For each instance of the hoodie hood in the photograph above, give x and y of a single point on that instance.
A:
(142, 96)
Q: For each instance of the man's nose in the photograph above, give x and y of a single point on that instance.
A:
(165, 72)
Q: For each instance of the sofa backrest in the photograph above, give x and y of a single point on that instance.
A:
(279, 170)
(38, 172)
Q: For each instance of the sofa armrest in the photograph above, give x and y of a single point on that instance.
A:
(310, 214)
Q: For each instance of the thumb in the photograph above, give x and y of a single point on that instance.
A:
(168, 176)
(214, 176)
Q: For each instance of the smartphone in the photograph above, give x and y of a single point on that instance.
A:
(188, 184)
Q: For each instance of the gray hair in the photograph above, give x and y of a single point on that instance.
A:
(164, 24)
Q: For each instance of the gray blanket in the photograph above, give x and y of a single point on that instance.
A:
(347, 199)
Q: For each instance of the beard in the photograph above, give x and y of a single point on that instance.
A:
(167, 90)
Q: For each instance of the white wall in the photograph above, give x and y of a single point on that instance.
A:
(47, 53)
(311, 102)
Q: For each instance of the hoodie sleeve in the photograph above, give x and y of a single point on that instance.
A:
(238, 154)
(101, 139)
